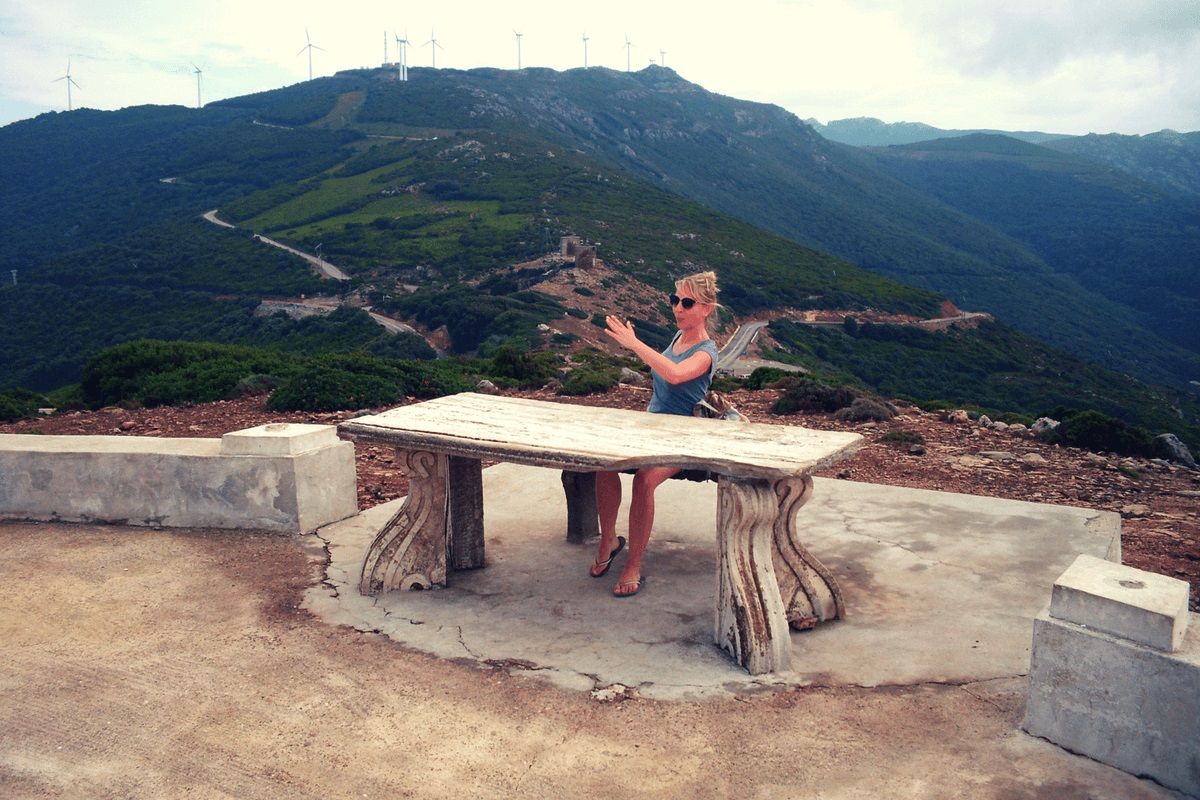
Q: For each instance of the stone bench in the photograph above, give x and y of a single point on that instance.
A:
(279, 477)
(766, 578)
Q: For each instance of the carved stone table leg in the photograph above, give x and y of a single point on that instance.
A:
(810, 592)
(750, 622)
(443, 514)
(583, 523)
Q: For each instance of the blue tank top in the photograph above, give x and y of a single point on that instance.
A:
(679, 398)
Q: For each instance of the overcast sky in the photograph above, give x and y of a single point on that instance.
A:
(1062, 66)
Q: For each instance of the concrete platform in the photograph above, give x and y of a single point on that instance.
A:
(940, 588)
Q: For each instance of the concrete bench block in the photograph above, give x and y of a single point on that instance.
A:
(1130, 603)
(1130, 706)
(278, 439)
(290, 479)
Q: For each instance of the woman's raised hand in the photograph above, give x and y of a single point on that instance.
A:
(622, 332)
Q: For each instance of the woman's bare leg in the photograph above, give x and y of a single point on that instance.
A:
(641, 520)
(608, 503)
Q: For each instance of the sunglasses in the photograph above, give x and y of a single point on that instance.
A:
(688, 302)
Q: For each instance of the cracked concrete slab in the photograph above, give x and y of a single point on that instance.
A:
(939, 587)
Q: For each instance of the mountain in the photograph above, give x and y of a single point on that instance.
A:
(1168, 159)
(102, 224)
(872, 132)
(459, 182)
(761, 164)
(1118, 236)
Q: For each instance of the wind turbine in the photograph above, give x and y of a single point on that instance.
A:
(385, 47)
(585, 41)
(518, 35)
(69, 81)
(402, 52)
(198, 72)
(628, 46)
(662, 58)
(309, 47)
(433, 50)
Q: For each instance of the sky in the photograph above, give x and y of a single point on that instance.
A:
(1060, 66)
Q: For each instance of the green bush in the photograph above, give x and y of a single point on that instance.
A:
(864, 409)
(150, 372)
(18, 403)
(808, 395)
(255, 384)
(525, 369)
(1092, 430)
(402, 345)
(590, 380)
(325, 389)
(902, 438)
(766, 376)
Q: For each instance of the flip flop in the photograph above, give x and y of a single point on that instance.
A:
(606, 563)
(637, 587)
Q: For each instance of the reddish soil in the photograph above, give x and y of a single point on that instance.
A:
(1159, 505)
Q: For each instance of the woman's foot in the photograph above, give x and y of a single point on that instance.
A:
(628, 588)
(600, 566)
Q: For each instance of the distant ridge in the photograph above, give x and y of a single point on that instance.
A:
(872, 132)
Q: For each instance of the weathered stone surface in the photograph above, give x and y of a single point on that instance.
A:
(997, 455)
(1034, 460)
(958, 416)
(278, 439)
(1118, 702)
(1169, 447)
(1044, 425)
(1119, 600)
(177, 482)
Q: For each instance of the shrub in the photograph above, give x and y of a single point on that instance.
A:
(766, 376)
(863, 409)
(577, 313)
(589, 380)
(1092, 430)
(806, 394)
(151, 372)
(402, 345)
(521, 367)
(18, 403)
(583, 290)
(255, 384)
(331, 390)
(902, 438)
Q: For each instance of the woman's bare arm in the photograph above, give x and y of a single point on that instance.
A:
(693, 366)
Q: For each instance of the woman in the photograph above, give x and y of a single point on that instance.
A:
(682, 374)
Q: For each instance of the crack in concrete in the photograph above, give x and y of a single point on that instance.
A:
(463, 642)
(325, 580)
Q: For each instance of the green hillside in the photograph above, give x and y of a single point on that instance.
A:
(1118, 236)
(762, 165)
(451, 181)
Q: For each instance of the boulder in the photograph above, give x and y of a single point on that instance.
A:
(916, 449)
(1018, 429)
(486, 387)
(1043, 425)
(632, 377)
(985, 420)
(997, 455)
(1168, 446)
(957, 416)
(1034, 460)
(1000, 426)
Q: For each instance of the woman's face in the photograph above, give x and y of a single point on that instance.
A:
(685, 316)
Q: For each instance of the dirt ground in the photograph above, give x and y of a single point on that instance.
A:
(154, 664)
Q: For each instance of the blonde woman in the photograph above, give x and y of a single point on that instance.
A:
(682, 374)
